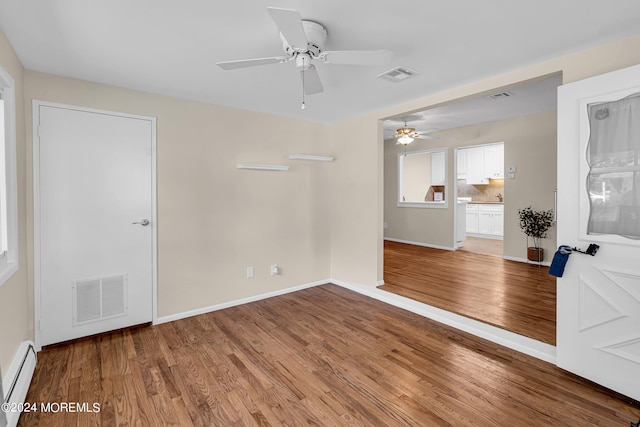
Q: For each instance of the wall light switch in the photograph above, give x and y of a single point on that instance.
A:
(512, 169)
(275, 270)
(249, 272)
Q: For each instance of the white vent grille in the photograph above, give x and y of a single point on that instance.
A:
(398, 74)
(99, 298)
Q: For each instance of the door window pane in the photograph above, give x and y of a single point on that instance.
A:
(613, 154)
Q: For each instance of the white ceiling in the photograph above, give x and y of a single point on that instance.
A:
(171, 47)
(527, 98)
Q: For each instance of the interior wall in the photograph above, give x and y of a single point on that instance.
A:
(367, 148)
(15, 314)
(214, 220)
(529, 145)
(429, 226)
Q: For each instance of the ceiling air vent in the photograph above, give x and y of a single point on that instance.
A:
(500, 95)
(397, 74)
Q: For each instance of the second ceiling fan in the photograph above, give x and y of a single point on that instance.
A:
(303, 42)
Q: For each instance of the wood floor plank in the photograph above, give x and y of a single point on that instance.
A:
(321, 356)
(515, 296)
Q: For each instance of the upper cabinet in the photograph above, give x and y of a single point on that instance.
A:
(438, 166)
(494, 161)
(478, 164)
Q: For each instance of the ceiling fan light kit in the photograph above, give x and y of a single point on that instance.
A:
(303, 41)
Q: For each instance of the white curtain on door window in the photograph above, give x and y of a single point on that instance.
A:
(613, 154)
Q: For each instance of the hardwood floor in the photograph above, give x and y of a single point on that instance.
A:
(323, 356)
(512, 295)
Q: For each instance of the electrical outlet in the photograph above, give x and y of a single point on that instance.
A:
(275, 270)
(249, 272)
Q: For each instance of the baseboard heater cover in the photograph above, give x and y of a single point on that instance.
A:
(16, 384)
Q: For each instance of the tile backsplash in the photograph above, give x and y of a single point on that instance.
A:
(481, 193)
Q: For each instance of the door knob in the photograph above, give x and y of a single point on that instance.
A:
(143, 222)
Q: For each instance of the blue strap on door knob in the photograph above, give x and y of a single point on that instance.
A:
(559, 261)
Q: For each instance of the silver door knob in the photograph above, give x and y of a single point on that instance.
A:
(143, 223)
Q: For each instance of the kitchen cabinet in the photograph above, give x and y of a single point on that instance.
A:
(462, 164)
(475, 166)
(485, 219)
(494, 161)
(491, 219)
(438, 168)
(478, 164)
(472, 218)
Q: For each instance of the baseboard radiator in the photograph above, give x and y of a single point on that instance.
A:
(16, 382)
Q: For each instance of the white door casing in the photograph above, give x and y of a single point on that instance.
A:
(94, 177)
(598, 298)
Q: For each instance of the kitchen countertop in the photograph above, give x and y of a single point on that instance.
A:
(484, 203)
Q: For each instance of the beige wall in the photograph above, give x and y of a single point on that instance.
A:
(529, 145)
(214, 220)
(355, 255)
(15, 312)
(315, 221)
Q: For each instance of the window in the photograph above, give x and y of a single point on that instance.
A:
(422, 177)
(613, 154)
(8, 186)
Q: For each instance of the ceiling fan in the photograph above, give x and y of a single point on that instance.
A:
(406, 134)
(303, 41)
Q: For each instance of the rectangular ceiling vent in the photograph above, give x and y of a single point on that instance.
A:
(398, 74)
(500, 95)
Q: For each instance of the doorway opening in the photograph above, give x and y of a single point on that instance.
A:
(520, 131)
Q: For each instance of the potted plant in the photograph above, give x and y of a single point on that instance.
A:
(535, 224)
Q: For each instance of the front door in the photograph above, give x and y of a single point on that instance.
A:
(94, 221)
(598, 310)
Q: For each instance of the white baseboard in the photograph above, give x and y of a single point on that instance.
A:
(216, 307)
(485, 236)
(17, 380)
(426, 245)
(543, 263)
(499, 336)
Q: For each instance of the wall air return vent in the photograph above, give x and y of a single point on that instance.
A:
(398, 74)
(500, 95)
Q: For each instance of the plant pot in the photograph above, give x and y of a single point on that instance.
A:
(535, 254)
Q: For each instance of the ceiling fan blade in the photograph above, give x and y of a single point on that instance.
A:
(243, 63)
(311, 81)
(290, 24)
(357, 57)
(425, 131)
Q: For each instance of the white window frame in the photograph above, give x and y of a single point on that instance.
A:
(424, 205)
(585, 203)
(9, 260)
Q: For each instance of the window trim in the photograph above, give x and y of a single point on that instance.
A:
(423, 205)
(585, 169)
(9, 262)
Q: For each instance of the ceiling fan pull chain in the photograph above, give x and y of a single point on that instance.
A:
(303, 106)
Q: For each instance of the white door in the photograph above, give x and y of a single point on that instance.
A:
(598, 306)
(94, 221)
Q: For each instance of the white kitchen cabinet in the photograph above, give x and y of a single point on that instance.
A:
(494, 161)
(475, 166)
(462, 164)
(472, 218)
(491, 219)
(485, 220)
(438, 168)
(478, 164)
